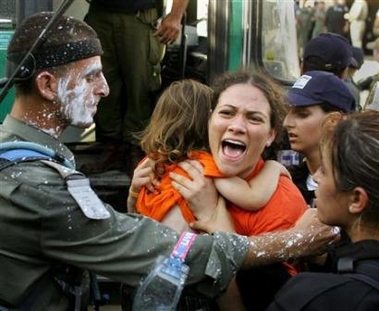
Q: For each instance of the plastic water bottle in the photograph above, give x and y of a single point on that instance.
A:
(161, 289)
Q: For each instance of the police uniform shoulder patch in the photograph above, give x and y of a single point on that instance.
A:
(87, 199)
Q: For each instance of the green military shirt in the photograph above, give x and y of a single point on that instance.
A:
(42, 226)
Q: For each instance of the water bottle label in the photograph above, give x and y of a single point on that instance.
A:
(184, 244)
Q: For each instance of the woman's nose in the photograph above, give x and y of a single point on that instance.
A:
(237, 124)
(287, 121)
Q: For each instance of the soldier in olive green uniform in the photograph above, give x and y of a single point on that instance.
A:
(53, 226)
(42, 225)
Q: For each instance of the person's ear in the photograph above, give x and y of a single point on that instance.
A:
(344, 73)
(46, 84)
(302, 69)
(359, 200)
(271, 138)
(334, 117)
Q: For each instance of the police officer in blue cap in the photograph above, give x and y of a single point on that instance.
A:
(314, 95)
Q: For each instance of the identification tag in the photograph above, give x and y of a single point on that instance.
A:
(87, 199)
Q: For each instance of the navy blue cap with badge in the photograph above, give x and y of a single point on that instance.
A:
(321, 87)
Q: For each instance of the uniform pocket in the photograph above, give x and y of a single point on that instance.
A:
(157, 50)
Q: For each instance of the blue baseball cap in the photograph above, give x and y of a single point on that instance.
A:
(333, 49)
(321, 87)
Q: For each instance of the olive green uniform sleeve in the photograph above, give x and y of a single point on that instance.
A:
(41, 225)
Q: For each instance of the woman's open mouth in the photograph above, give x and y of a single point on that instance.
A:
(233, 149)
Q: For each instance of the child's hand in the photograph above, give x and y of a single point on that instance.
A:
(144, 177)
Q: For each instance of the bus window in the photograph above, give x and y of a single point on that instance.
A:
(202, 18)
(187, 56)
(229, 34)
(258, 34)
(279, 44)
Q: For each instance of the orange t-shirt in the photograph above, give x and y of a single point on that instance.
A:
(156, 205)
(281, 212)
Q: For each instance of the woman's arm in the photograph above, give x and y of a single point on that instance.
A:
(169, 28)
(307, 238)
(254, 194)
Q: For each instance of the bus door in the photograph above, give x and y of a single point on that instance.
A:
(226, 35)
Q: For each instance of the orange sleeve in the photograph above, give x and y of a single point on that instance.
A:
(156, 205)
(206, 159)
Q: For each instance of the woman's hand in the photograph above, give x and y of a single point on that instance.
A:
(218, 220)
(199, 191)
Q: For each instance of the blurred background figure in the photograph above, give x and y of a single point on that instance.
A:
(355, 64)
(375, 27)
(369, 84)
(319, 18)
(374, 46)
(335, 19)
(304, 19)
(357, 18)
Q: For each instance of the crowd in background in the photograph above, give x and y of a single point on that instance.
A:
(354, 20)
